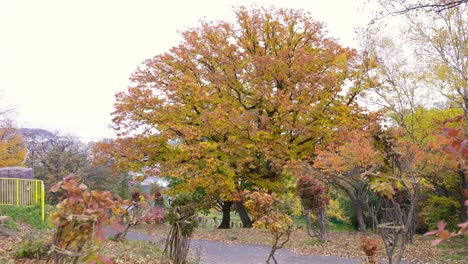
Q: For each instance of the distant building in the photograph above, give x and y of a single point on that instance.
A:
(16, 172)
(146, 184)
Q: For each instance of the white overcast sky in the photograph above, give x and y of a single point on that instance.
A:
(61, 62)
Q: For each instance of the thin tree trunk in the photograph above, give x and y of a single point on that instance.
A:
(308, 223)
(225, 223)
(244, 216)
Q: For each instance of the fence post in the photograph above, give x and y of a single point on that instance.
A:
(17, 192)
(35, 192)
(42, 202)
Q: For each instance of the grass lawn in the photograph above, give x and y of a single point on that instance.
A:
(30, 215)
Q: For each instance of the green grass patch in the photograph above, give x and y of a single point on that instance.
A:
(27, 214)
(455, 248)
(11, 225)
(299, 221)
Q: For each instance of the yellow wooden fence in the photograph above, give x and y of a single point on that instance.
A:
(22, 192)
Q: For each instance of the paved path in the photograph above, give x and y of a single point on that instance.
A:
(212, 252)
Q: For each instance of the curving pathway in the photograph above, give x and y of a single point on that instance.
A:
(212, 252)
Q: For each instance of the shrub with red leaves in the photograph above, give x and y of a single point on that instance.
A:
(370, 247)
(312, 193)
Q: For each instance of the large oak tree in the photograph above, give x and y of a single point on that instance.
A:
(234, 103)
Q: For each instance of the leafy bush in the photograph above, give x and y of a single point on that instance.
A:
(182, 219)
(184, 214)
(314, 199)
(312, 193)
(32, 250)
(80, 217)
(437, 208)
(336, 212)
(370, 247)
(33, 247)
(292, 204)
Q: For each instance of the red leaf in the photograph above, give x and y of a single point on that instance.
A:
(441, 225)
(69, 177)
(56, 187)
(432, 232)
(436, 242)
(73, 199)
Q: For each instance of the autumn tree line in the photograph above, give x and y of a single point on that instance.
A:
(55, 155)
(258, 103)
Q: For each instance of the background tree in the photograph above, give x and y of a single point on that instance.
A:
(404, 96)
(240, 100)
(56, 157)
(445, 177)
(33, 139)
(13, 150)
(103, 178)
(399, 183)
(457, 149)
(345, 164)
(443, 48)
(437, 39)
(406, 7)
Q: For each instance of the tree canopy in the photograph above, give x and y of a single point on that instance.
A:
(234, 103)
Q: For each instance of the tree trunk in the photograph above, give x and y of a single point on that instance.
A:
(359, 216)
(463, 213)
(244, 216)
(123, 234)
(225, 223)
(357, 205)
(464, 208)
(308, 223)
(320, 228)
(322, 222)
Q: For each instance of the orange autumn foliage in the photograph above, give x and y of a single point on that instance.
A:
(233, 103)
